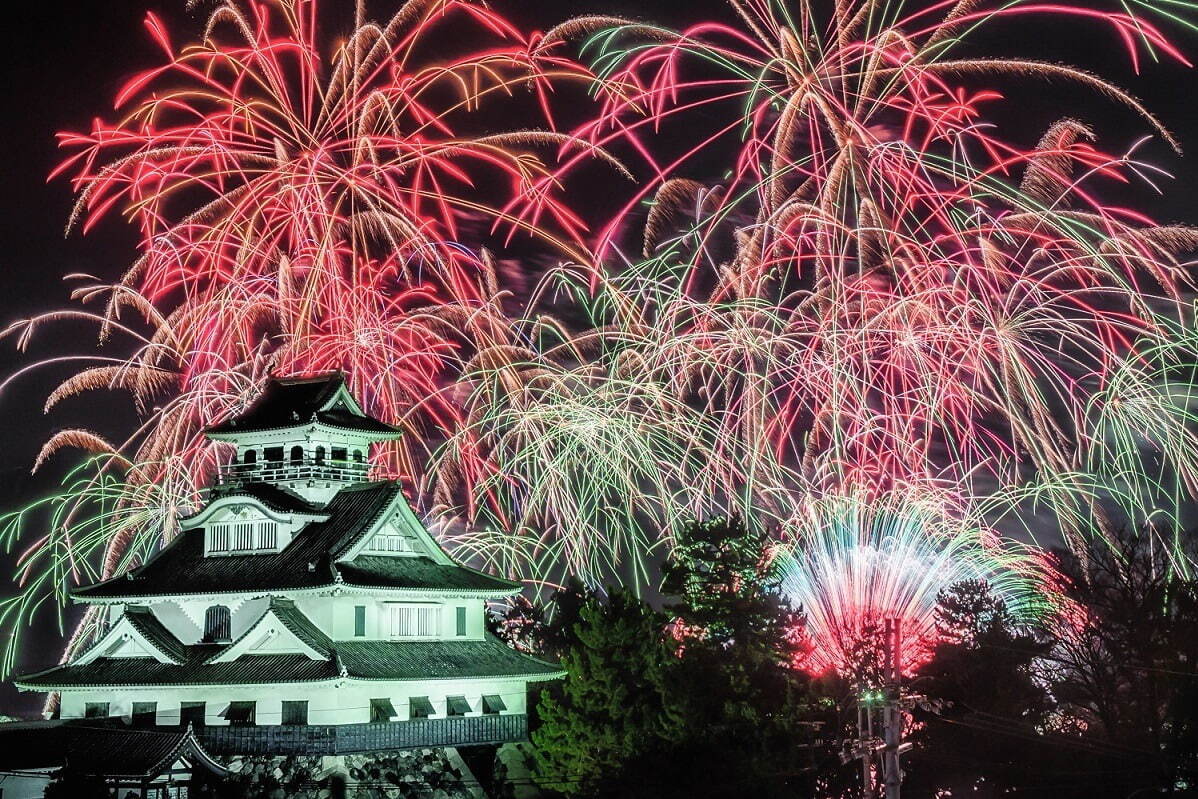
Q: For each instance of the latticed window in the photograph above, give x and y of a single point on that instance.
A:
(219, 538)
(244, 536)
(295, 712)
(390, 542)
(413, 621)
(217, 624)
(268, 535)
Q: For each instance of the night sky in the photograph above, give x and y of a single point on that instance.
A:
(64, 61)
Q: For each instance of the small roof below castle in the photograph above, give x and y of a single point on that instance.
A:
(294, 401)
(93, 747)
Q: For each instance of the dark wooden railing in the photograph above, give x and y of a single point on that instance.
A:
(334, 739)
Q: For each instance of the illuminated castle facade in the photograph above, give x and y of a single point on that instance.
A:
(304, 601)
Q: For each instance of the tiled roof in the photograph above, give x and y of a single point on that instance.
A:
(295, 401)
(272, 496)
(96, 748)
(306, 562)
(156, 633)
(301, 626)
(367, 660)
(413, 660)
(385, 571)
(246, 670)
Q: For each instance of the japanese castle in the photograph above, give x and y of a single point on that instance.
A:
(303, 608)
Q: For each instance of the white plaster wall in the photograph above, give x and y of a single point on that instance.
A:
(343, 702)
(185, 619)
(335, 617)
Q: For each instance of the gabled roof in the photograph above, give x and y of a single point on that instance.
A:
(156, 633)
(290, 402)
(309, 561)
(139, 624)
(363, 660)
(271, 496)
(284, 613)
(96, 748)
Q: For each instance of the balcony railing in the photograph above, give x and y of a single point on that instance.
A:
(333, 739)
(306, 469)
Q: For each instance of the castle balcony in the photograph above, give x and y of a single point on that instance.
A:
(333, 739)
(293, 469)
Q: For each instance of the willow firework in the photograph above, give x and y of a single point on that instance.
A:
(882, 293)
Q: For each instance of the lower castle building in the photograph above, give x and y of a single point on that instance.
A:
(304, 608)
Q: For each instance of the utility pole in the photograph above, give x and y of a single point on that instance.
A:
(866, 743)
(892, 722)
(892, 702)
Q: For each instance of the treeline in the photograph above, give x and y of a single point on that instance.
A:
(702, 698)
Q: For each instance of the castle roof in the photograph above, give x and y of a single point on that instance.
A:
(362, 660)
(96, 748)
(312, 560)
(291, 402)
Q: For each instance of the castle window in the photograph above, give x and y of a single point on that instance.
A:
(456, 706)
(420, 708)
(320, 454)
(250, 457)
(381, 710)
(95, 710)
(244, 536)
(217, 623)
(297, 455)
(295, 712)
(339, 454)
(218, 538)
(409, 621)
(192, 713)
(390, 542)
(461, 620)
(240, 714)
(145, 714)
(359, 621)
(357, 456)
(493, 703)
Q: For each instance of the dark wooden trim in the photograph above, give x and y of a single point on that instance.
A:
(332, 739)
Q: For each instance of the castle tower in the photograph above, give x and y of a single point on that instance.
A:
(304, 608)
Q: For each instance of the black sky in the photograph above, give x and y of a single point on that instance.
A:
(63, 61)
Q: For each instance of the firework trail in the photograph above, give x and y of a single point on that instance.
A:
(883, 290)
(853, 562)
(301, 205)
